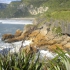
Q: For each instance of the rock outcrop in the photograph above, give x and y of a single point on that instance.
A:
(7, 36)
(42, 38)
(18, 33)
(12, 38)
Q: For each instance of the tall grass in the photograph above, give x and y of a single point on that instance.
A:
(23, 61)
(61, 15)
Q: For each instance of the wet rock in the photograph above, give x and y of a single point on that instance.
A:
(15, 39)
(7, 36)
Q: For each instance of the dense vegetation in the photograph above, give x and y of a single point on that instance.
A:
(23, 61)
(58, 9)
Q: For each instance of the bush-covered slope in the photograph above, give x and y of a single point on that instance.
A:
(20, 9)
(58, 9)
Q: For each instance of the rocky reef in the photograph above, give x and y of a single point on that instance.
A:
(43, 37)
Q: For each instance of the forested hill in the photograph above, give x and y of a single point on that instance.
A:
(22, 8)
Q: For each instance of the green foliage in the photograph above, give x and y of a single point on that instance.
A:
(58, 10)
(65, 15)
(23, 61)
(57, 30)
(60, 62)
(57, 6)
(36, 3)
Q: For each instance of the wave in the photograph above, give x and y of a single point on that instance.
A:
(12, 21)
(15, 47)
(12, 47)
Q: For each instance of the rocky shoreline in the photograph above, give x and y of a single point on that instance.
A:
(41, 37)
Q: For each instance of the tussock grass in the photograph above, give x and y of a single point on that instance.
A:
(23, 61)
(61, 15)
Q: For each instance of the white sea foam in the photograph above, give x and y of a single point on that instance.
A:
(47, 54)
(11, 21)
(27, 42)
(6, 47)
(13, 47)
(17, 45)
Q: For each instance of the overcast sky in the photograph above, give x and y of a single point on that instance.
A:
(7, 1)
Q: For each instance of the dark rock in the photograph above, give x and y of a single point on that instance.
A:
(7, 36)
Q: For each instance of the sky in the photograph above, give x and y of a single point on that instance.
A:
(7, 1)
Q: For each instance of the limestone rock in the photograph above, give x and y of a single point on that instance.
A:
(67, 39)
(34, 33)
(55, 47)
(51, 42)
(18, 33)
(15, 39)
(67, 45)
(64, 42)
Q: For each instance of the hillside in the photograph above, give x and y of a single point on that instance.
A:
(57, 9)
(49, 36)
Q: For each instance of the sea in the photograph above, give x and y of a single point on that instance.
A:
(10, 26)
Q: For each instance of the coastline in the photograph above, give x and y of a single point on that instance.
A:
(23, 18)
(19, 18)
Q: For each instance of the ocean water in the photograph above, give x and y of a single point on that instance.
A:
(10, 26)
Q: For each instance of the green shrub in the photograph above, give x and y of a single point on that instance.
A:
(57, 30)
(23, 61)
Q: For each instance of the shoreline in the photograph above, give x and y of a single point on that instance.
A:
(19, 18)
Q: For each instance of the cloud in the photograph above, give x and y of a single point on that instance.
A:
(7, 1)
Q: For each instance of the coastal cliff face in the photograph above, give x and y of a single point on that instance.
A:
(43, 36)
(37, 10)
